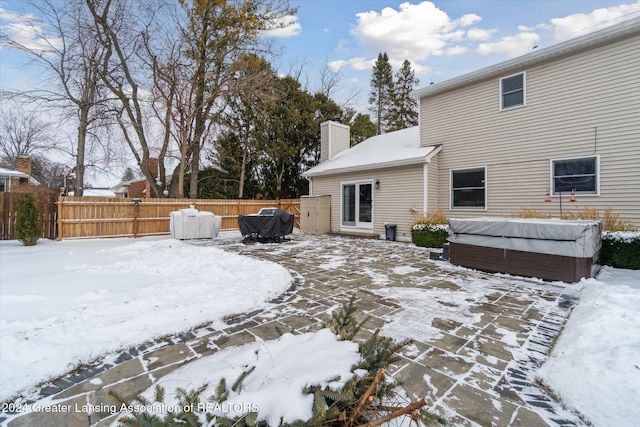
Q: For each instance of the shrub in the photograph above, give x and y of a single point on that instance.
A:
(529, 213)
(609, 220)
(429, 235)
(431, 231)
(621, 250)
(28, 226)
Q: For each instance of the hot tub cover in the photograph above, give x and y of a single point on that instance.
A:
(270, 226)
(578, 238)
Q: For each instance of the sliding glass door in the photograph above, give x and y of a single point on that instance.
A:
(357, 204)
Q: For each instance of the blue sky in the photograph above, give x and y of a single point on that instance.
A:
(442, 39)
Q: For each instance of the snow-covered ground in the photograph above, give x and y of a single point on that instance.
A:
(66, 303)
(62, 303)
(595, 365)
(282, 368)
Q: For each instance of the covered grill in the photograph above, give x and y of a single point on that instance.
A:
(268, 225)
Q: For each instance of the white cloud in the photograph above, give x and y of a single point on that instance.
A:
(513, 46)
(284, 26)
(579, 24)
(413, 32)
(27, 32)
(342, 46)
(478, 34)
(456, 50)
(359, 64)
(468, 19)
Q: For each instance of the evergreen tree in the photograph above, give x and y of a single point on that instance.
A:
(362, 128)
(28, 226)
(382, 88)
(128, 175)
(404, 109)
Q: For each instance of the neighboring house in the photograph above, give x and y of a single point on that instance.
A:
(560, 119)
(16, 180)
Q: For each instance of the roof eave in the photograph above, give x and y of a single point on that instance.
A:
(404, 162)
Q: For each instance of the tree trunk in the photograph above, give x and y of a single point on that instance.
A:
(243, 169)
(82, 139)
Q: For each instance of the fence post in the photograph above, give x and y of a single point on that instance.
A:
(59, 204)
(136, 213)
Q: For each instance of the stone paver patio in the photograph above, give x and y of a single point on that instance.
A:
(480, 336)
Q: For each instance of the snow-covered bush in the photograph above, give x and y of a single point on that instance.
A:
(431, 231)
(429, 235)
(621, 249)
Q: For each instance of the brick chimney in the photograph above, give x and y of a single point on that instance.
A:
(24, 164)
(153, 167)
(334, 138)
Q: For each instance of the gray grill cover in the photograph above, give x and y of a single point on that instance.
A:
(580, 239)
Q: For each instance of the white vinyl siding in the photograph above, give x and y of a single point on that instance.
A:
(600, 118)
(399, 199)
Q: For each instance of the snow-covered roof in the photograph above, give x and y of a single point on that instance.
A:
(96, 192)
(391, 149)
(606, 35)
(12, 173)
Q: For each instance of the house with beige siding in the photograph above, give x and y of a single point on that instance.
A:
(557, 124)
(383, 180)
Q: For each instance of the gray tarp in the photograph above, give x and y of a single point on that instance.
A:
(579, 239)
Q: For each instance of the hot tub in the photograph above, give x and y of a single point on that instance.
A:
(545, 248)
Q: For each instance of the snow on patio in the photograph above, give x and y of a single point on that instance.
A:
(66, 303)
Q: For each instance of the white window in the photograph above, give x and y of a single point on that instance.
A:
(357, 204)
(512, 91)
(579, 175)
(469, 189)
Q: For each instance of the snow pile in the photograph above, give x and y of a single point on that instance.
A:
(65, 303)
(595, 365)
(274, 389)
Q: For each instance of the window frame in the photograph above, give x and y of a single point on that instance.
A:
(524, 91)
(451, 189)
(552, 178)
(357, 223)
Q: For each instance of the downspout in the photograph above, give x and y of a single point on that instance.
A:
(310, 185)
(425, 189)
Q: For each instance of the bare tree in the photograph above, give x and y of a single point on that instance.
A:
(21, 133)
(71, 59)
(183, 89)
(224, 39)
(331, 86)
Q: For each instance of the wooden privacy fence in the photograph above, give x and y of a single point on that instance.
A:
(84, 217)
(45, 203)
